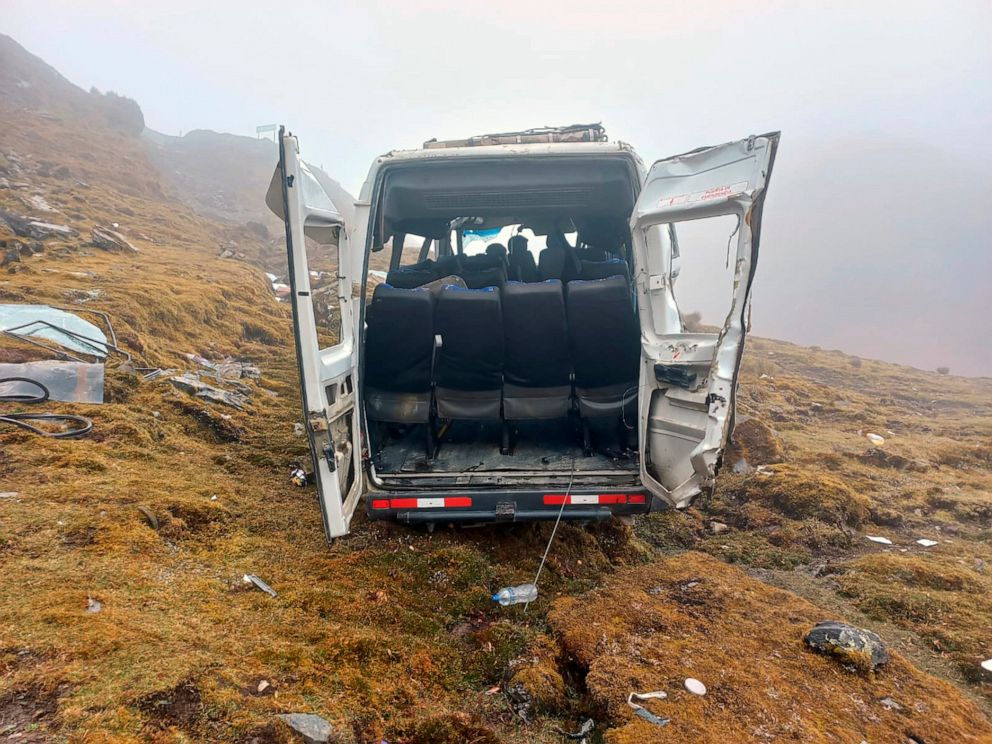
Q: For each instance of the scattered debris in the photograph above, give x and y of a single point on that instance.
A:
(861, 648)
(511, 595)
(742, 467)
(93, 606)
(111, 240)
(875, 439)
(890, 704)
(33, 322)
(149, 516)
(298, 429)
(300, 477)
(259, 584)
(228, 368)
(263, 686)
(987, 665)
(8, 494)
(19, 419)
(718, 528)
(643, 712)
(694, 686)
(587, 727)
(70, 382)
(880, 540)
(926, 543)
(192, 384)
(313, 728)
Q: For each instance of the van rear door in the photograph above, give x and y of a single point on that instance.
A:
(688, 380)
(328, 376)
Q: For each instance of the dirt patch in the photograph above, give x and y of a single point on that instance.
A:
(180, 706)
(743, 639)
(27, 715)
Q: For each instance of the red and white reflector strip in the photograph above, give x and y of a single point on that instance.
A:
(446, 502)
(557, 499)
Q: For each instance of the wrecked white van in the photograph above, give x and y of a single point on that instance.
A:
(520, 352)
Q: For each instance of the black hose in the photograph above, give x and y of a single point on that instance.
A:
(84, 425)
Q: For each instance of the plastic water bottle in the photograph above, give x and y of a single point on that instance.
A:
(512, 595)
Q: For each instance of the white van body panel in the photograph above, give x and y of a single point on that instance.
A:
(685, 418)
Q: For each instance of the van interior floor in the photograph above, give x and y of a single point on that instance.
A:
(474, 447)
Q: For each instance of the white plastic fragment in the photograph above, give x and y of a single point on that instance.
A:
(880, 540)
(695, 686)
(875, 439)
(926, 543)
(987, 665)
(93, 605)
(259, 584)
(8, 494)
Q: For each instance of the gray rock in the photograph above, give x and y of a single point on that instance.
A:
(313, 728)
(718, 528)
(42, 230)
(856, 646)
(742, 467)
(9, 256)
(111, 240)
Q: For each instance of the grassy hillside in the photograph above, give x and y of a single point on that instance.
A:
(390, 633)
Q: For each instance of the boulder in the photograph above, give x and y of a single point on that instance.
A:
(313, 728)
(111, 240)
(851, 645)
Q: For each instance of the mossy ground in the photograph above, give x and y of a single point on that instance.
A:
(390, 632)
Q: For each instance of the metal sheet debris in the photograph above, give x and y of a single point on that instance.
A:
(193, 385)
(926, 543)
(643, 712)
(879, 540)
(70, 382)
(259, 584)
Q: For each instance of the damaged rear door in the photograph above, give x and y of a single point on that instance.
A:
(688, 380)
(328, 376)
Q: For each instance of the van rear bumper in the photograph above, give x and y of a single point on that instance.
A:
(504, 505)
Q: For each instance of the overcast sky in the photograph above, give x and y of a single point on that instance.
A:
(355, 79)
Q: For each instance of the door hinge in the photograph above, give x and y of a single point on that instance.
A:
(329, 455)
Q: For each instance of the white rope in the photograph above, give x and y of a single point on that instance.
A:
(551, 539)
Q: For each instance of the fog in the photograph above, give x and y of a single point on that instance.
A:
(877, 221)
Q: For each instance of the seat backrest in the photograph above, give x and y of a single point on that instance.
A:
(523, 268)
(536, 349)
(557, 260)
(470, 323)
(603, 331)
(399, 340)
(604, 269)
(416, 275)
(494, 276)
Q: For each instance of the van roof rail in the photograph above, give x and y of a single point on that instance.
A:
(572, 133)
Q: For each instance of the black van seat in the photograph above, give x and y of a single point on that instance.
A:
(604, 269)
(469, 369)
(558, 260)
(537, 364)
(523, 268)
(399, 348)
(605, 337)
